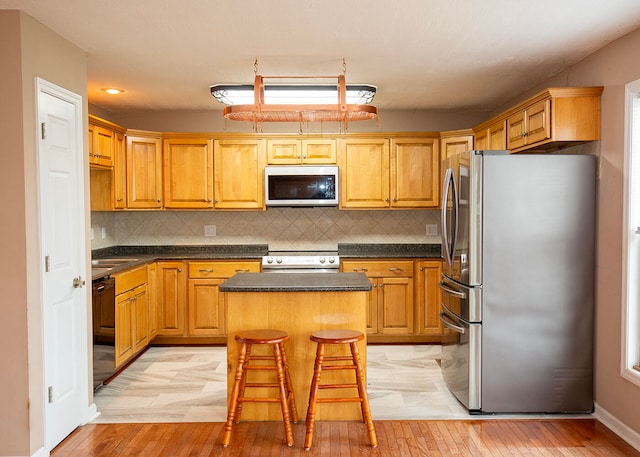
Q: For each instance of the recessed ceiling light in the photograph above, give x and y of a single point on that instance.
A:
(112, 90)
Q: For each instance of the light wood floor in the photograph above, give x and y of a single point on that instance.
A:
(493, 438)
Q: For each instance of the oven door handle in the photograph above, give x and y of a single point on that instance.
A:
(455, 293)
(446, 321)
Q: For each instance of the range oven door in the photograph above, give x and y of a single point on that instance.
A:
(460, 362)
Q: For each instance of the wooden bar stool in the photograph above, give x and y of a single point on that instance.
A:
(338, 336)
(247, 339)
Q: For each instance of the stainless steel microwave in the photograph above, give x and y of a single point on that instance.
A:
(301, 185)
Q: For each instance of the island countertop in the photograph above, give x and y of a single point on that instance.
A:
(296, 282)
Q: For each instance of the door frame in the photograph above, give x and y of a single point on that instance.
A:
(82, 351)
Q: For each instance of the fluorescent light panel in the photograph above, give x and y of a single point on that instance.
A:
(303, 94)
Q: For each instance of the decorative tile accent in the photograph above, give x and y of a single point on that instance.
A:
(280, 228)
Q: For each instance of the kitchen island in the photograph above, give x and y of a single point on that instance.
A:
(298, 303)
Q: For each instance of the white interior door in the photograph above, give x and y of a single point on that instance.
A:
(62, 232)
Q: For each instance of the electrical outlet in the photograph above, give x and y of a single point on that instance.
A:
(209, 230)
(103, 232)
(432, 229)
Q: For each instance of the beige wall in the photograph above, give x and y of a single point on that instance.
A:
(27, 50)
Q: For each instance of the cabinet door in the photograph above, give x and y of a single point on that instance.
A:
(415, 173)
(171, 297)
(238, 167)
(284, 152)
(428, 297)
(538, 125)
(101, 152)
(320, 151)
(144, 172)
(395, 306)
(481, 140)
(496, 136)
(124, 341)
(188, 173)
(120, 173)
(140, 318)
(206, 307)
(364, 173)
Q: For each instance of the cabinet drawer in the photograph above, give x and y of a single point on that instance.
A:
(129, 279)
(221, 269)
(387, 268)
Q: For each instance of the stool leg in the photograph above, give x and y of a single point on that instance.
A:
(226, 438)
(362, 390)
(284, 400)
(313, 396)
(290, 395)
(243, 382)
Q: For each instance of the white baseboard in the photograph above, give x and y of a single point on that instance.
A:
(90, 414)
(42, 452)
(618, 427)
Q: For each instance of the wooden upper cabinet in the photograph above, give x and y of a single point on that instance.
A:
(102, 141)
(144, 170)
(188, 173)
(492, 137)
(364, 173)
(295, 151)
(238, 167)
(529, 126)
(414, 173)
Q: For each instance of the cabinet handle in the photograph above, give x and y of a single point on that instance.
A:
(375, 285)
(421, 268)
(394, 199)
(396, 269)
(207, 270)
(208, 200)
(360, 269)
(179, 270)
(386, 200)
(242, 270)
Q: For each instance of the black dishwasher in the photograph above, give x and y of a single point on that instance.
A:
(104, 329)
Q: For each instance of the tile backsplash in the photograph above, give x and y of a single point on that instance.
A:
(280, 228)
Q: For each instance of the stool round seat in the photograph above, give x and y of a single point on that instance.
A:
(262, 336)
(337, 336)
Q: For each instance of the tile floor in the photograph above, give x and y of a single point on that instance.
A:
(188, 384)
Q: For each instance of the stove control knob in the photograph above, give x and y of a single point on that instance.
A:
(269, 260)
(322, 260)
(332, 260)
(278, 259)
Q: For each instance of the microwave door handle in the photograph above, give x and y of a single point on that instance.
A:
(449, 246)
(449, 324)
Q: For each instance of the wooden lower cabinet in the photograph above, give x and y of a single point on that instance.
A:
(190, 305)
(206, 308)
(171, 296)
(404, 302)
(131, 315)
(427, 276)
(390, 310)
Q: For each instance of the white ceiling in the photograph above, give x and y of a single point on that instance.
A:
(422, 54)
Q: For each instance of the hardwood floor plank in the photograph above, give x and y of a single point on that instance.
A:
(487, 438)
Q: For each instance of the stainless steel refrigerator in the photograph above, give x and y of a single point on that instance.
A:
(518, 281)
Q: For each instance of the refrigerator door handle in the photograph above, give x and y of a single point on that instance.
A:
(449, 291)
(449, 246)
(449, 324)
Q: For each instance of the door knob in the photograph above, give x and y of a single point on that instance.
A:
(78, 282)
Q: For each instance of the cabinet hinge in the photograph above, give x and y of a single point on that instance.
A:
(43, 130)
(50, 394)
(46, 264)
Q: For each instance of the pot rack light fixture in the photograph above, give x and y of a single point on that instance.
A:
(295, 101)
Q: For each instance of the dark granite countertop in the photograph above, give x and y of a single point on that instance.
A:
(388, 250)
(296, 282)
(143, 254)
